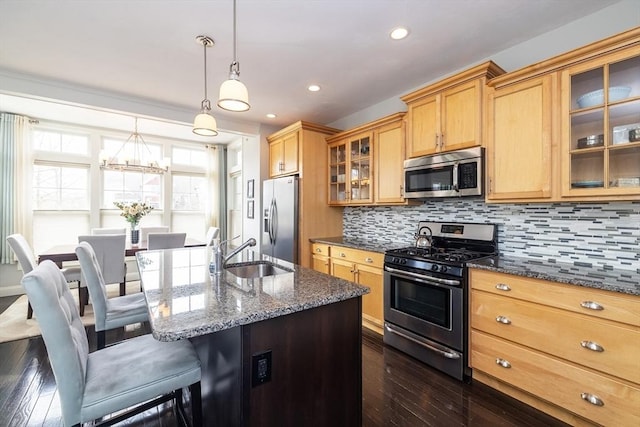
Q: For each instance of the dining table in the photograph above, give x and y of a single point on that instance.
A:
(67, 252)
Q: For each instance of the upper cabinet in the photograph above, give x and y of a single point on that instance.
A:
(564, 129)
(283, 155)
(448, 115)
(366, 163)
(601, 126)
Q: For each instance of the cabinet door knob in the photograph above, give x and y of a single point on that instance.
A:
(503, 287)
(502, 362)
(503, 319)
(591, 305)
(369, 260)
(592, 398)
(593, 346)
(318, 250)
(342, 254)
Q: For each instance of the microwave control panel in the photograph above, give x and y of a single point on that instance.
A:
(468, 175)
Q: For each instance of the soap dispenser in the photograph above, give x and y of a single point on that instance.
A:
(215, 265)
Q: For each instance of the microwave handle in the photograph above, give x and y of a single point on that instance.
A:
(455, 177)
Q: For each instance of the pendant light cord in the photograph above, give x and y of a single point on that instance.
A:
(235, 39)
(204, 45)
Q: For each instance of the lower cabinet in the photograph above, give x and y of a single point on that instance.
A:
(567, 350)
(362, 267)
(320, 258)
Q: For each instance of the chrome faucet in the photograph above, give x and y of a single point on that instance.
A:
(236, 251)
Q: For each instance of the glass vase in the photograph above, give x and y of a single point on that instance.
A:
(135, 234)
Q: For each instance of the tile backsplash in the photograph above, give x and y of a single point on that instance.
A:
(605, 235)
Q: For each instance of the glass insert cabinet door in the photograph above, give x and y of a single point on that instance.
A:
(603, 154)
(350, 170)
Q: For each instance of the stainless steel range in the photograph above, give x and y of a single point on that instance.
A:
(426, 293)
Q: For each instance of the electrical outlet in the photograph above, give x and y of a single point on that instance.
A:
(260, 368)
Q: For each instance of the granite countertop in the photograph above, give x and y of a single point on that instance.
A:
(623, 281)
(185, 301)
(365, 245)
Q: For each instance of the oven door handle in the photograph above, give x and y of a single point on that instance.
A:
(443, 353)
(422, 278)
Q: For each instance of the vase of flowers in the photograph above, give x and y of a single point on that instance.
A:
(133, 212)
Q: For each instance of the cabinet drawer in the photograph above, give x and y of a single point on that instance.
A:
(602, 345)
(604, 304)
(320, 249)
(373, 259)
(557, 382)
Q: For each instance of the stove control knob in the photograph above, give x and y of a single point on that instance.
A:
(404, 261)
(435, 267)
(443, 268)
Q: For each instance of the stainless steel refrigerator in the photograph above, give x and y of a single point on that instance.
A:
(280, 218)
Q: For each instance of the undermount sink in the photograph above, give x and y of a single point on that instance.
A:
(255, 270)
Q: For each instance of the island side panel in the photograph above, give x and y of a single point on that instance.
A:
(316, 368)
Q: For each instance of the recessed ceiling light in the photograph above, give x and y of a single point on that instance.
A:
(314, 88)
(271, 115)
(399, 33)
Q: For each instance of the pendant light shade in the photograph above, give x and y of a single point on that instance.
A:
(205, 124)
(233, 93)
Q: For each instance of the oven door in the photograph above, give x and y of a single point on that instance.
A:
(429, 306)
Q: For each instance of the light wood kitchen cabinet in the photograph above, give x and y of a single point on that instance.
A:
(350, 180)
(528, 334)
(364, 268)
(519, 140)
(601, 126)
(315, 216)
(366, 164)
(320, 258)
(563, 129)
(448, 115)
(283, 155)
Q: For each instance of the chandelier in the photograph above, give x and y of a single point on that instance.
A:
(133, 156)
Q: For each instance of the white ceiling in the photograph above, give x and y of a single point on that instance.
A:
(146, 49)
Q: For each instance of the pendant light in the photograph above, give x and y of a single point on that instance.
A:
(233, 93)
(204, 123)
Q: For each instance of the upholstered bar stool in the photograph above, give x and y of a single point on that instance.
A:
(110, 313)
(134, 375)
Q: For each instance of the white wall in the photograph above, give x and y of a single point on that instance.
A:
(602, 24)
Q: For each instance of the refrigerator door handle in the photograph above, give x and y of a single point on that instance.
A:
(271, 213)
(274, 221)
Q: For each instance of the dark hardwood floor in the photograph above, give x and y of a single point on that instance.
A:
(397, 391)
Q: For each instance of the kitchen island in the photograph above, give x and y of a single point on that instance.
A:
(282, 349)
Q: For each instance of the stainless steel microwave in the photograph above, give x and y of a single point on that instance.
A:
(451, 174)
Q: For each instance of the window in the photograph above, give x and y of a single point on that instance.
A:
(60, 187)
(130, 187)
(189, 193)
(49, 140)
(190, 157)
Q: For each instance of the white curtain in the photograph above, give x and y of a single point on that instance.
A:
(216, 210)
(15, 175)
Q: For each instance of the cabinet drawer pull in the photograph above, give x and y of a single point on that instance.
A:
(592, 398)
(318, 250)
(503, 363)
(591, 305)
(503, 287)
(503, 319)
(369, 260)
(342, 254)
(592, 346)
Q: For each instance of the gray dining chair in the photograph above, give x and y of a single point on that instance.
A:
(27, 262)
(110, 313)
(144, 232)
(110, 251)
(134, 375)
(166, 240)
(111, 230)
